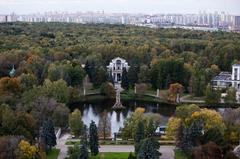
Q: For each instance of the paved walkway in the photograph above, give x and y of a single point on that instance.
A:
(61, 145)
(167, 151)
(185, 99)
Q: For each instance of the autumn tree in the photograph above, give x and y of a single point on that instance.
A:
(26, 151)
(108, 90)
(175, 91)
(76, 123)
(104, 125)
(130, 124)
(210, 118)
(209, 150)
(9, 86)
(172, 127)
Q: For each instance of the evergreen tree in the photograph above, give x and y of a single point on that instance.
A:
(192, 135)
(93, 140)
(125, 81)
(150, 130)
(80, 151)
(48, 137)
(84, 144)
(131, 156)
(139, 136)
(149, 149)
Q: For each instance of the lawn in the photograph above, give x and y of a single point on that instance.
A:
(72, 142)
(53, 154)
(111, 155)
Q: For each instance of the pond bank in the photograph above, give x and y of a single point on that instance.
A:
(95, 98)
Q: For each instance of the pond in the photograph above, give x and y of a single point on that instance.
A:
(93, 111)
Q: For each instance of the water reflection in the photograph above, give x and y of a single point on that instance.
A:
(92, 111)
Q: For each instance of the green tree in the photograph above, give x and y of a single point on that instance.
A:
(27, 81)
(130, 124)
(125, 80)
(217, 137)
(47, 135)
(101, 76)
(231, 96)
(57, 89)
(108, 90)
(131, 156)
(149, 149)
(84, 144)
(93, 139)
(139, 136)
(144, 74)
(133, 75)
(167, 71)
(76, 123)
(212, 96)
(185, 111)
(150, 129)
(60, 115)
(76, 74)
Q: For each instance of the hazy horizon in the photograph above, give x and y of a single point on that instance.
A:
(120, 6)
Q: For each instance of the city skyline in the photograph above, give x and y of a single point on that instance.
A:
(120, 6)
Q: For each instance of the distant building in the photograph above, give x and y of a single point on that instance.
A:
(116, 68)
(3, 18)
(226, 79)
(236, 23)
(223, 80)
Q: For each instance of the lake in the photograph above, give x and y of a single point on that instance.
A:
(92, 111)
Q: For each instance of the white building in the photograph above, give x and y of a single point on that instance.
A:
(226, 79)
(116, 68)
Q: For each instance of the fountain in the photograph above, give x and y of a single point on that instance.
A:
(118, 105)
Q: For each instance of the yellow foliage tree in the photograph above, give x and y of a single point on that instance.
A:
(211, 119)
(172, 127)
(130, 125)
(26, 151)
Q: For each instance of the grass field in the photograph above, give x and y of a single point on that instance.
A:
(53, 154)
(111, 155)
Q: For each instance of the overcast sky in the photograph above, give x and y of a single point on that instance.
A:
(129, 6)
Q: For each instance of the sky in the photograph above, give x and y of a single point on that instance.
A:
(120, 6)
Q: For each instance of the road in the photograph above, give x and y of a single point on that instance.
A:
(167, 151)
